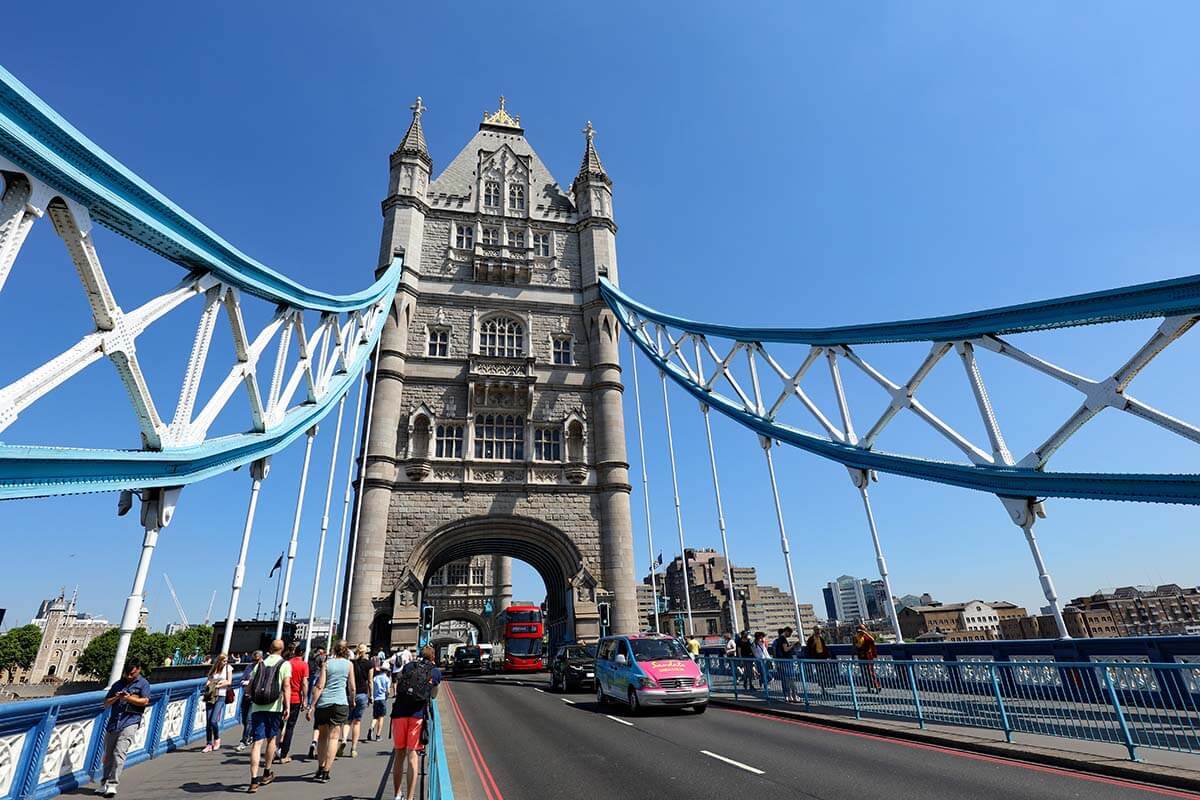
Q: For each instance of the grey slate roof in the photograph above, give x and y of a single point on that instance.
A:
(456, 184)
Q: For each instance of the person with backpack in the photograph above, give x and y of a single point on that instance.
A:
(332, 707)
(244, 712)
(416, 686)
(271, 702)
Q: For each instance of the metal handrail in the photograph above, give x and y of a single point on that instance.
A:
(55, 744)
(1134, 705)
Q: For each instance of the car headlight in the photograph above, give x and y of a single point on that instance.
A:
(701, 682)
(648, 683)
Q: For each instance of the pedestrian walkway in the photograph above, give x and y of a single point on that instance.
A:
(189, 772)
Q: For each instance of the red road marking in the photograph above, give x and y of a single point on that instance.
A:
(481, 768)
(1125, 784)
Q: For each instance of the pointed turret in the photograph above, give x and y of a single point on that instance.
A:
(413, 143)
(591, 169)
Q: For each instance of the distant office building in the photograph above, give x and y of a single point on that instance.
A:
(758, 606)
(645, 605)
(320, 631)
(910, 600)
(1146, 610)
(850, 599)
(65, 634)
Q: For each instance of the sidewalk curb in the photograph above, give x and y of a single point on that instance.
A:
(1153, 774)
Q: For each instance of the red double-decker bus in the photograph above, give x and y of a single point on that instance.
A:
(523, 633)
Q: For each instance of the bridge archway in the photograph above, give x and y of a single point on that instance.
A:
(479, 621)
(570, 585)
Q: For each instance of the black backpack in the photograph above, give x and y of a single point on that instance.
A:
(415, 684)
(265, 685)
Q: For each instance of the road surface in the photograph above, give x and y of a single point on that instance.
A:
(527, 743)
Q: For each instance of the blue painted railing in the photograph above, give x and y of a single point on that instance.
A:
(439, 769)
(53, 745)
(1132, 705)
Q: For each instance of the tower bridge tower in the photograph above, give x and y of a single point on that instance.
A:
(497, 418)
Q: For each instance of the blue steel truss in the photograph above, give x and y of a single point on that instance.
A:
(1178, 301)
(58, 168)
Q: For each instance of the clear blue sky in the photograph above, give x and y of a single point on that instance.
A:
(774, 163)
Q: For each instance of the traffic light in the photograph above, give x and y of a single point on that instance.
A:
(427, 618)
(603, 608)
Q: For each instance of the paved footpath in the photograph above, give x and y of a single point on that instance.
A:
(188, 773)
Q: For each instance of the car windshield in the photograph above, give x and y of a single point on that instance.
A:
(659, 650)
(524, 616)
(467, 652)
(588, 651)
(523, 647)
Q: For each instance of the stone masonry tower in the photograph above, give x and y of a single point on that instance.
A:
(497, 417)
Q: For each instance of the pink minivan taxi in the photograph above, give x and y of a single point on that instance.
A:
(649, 669)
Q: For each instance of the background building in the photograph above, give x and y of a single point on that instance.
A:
(974, 620)
(759, 606)
(1145, 610)
(65, 633)
(850, 599)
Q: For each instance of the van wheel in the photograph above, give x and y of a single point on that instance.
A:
(600, 698)
(700, 709)
(635, 705)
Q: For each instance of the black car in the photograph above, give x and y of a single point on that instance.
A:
(466, 659)
(574, 667)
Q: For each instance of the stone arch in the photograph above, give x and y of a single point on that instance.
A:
(551, 552)
(481, 623)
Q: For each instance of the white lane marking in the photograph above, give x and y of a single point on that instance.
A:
(618, 719)
(565, 700)
(543, 691)
(737, 764)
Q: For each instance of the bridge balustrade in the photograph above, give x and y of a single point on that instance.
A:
(1132, 704)
(52, 745)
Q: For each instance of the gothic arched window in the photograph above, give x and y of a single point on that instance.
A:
(491, 194)
(516, 197)
(502, 337)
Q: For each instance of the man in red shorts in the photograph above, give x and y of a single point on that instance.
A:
(416, 686)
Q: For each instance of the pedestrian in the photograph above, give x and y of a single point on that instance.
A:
(745, 652)
(730, 646)
(761, 654)
(693, 647)
(316, 661)
(246, 701)
(415, 687)
(269, 687)
(220, 678)
(816, 649)
(297, 700)
(783, 648)
(864, 648)
(364, 672)
(330, 706)
(126, 700)
(381, 687)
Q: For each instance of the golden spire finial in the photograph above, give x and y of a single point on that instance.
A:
(501, 117)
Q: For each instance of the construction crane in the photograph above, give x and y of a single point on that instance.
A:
(208, 614)
(178, 606)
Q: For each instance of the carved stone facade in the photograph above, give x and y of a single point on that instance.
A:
(497, 419)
